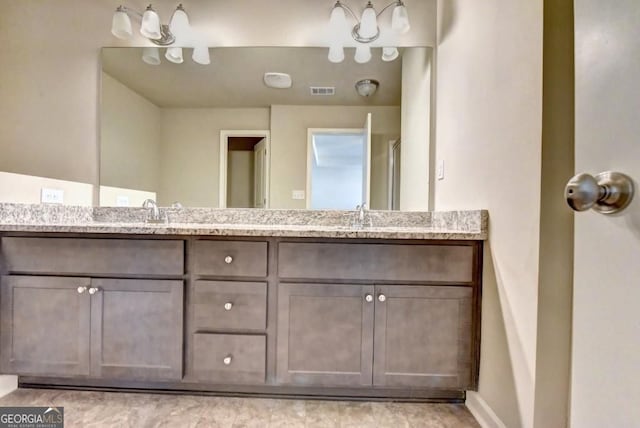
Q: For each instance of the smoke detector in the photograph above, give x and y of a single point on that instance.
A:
(367, 87)
(277, 80)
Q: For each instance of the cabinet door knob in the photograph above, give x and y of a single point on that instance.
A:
(228, 306)
(82, 289)
(227, 360)
(93, 290)
(228, 260)
(382, 297)
(368, 298)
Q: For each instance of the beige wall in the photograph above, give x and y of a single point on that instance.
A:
(416, 117)
(489, 133)
(26, 189)
(240, 179)
(289, 126)
(113, 196)
(190, 153)
(130, 138)
(605, 384)
(50, 85)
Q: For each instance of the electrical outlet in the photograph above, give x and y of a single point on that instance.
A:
(51, 196)
(297, 194)
(440, 170)
(122, 201)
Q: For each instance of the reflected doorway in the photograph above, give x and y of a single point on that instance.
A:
(244, 169)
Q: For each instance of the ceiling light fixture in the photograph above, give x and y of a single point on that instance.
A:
(367, 87)
(366, 29)
(178, 31)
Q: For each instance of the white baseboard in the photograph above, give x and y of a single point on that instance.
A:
(482, 412)
(8, 384)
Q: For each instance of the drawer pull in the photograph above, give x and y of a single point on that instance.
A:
(368, 298)
(382, 297)
(228, 306)
(228, 260)
(82, 289)
(93, 290)
(227, 360)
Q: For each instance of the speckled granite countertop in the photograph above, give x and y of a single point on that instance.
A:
(451, 225)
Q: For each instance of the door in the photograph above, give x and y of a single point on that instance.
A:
(325, 334)
(422, 337)
(45, 325)
(605, 385)
(136, 329)
(259, 176)
(366, 156)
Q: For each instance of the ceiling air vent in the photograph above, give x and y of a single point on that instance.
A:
(323, 90)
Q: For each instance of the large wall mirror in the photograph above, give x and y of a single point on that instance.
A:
(218, 135)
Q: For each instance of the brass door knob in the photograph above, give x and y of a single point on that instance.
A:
(607, 193)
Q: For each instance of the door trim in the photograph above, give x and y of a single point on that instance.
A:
(224, 150)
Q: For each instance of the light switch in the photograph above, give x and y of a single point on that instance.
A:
(297, 194)
(51, 196)
(440, 170)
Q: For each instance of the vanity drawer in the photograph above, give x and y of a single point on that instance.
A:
(230, 258)
(222, 305)
(382, 262)
(93, 256)
(229, 358)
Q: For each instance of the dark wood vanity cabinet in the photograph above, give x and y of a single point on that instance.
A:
(80, 325)
(387, 336)
(294, 316)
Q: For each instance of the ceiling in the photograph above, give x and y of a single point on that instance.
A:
(235, 77)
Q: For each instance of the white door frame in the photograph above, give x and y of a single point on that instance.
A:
(390, 165)
(337, 131)
(224, 149)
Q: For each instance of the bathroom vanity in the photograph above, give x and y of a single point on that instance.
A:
(293, 308)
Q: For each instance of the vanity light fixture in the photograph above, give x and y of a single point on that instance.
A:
(160, 34)
(366, 29)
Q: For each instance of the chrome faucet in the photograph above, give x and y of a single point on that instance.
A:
(361, 217)
(154, 216)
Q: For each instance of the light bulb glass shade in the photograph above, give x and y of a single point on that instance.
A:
(179, 24)
(400, 19)
(174, 55)
(389, 54)
(151, 55)
(336, 53)
(121, 25)
(337, 22)
(150, 27)
(201, 55)
(363, 54)
(368, 23)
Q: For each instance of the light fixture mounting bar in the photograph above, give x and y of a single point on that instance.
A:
(355, 33)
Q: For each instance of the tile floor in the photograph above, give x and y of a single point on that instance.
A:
(111, 409)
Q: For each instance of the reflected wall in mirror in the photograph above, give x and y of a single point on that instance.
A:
(217, 136)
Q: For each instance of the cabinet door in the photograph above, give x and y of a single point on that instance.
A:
(422, 337)
(136, 329)
(325, 334)
(44, 325)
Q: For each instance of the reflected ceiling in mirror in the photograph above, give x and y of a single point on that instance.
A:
(235, 78)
